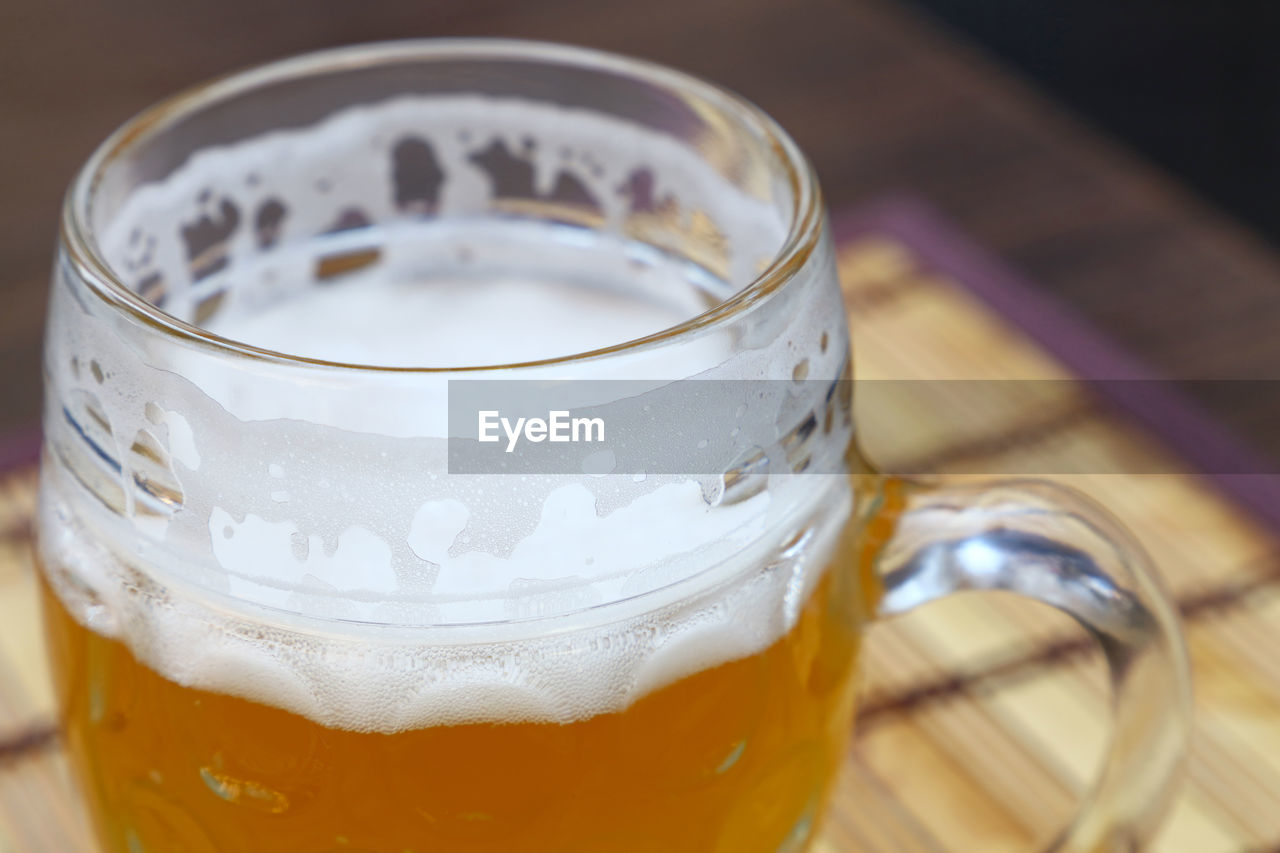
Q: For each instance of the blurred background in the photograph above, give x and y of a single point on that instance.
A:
(1190, 86)
(1121, 155)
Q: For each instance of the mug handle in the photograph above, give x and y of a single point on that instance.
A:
(1052, 544)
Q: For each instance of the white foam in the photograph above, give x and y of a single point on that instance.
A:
(315, 556)
(450, 320)
(384, 678)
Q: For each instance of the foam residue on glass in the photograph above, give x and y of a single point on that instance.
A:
(283, 531)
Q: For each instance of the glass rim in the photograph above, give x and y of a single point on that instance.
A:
(77, 235)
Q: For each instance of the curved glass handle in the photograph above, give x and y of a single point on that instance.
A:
(1054, 545)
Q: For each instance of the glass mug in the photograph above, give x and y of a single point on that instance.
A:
(278, 620)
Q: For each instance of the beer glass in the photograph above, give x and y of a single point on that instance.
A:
(284, 615)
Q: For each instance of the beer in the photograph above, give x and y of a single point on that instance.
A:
(735, 757)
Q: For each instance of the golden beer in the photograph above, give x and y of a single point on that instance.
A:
(737, 757)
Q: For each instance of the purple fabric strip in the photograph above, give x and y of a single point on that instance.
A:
(1182, 424)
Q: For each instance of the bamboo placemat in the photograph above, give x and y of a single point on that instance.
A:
(984, 717)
